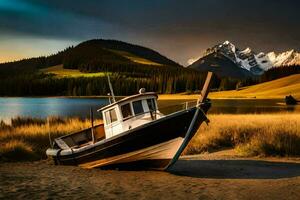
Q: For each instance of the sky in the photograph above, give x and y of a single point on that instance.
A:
(178, 29)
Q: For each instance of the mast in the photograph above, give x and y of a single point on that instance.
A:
(92, 124)
(111, 90)
(205, 89)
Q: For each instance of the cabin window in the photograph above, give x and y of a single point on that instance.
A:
(138, 107)
(126, 110)
(111, 116)
(107, 117)
(151, 104)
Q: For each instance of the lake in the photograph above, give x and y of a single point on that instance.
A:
(70, 107)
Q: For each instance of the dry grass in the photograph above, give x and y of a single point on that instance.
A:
(250, 135)
(16, 150)
(33, 136)
(278, 88)
(179, 96)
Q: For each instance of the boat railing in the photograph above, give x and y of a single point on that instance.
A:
(178, 107)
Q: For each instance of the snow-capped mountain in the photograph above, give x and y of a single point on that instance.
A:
(284, 59)
(257, 64)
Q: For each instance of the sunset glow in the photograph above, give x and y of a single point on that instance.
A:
(54, 25)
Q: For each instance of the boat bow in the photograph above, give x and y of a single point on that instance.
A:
(198, 118)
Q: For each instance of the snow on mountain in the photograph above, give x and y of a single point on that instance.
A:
(286, 58)
(245, 59)
(255, 63)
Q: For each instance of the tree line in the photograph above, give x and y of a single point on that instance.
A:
(157, 79)
(49, 85)
(279, 72)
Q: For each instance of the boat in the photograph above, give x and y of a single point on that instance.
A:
(290, 100)
(134, 133)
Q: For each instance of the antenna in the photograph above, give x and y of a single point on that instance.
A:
(111, 90)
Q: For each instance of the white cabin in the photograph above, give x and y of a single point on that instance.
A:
(130, 112)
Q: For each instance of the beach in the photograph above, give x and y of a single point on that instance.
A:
(219, 175)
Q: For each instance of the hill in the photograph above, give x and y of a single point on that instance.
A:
(278, 88)
(92, 56)
(61, 72)
(137, 50)
(135, 58)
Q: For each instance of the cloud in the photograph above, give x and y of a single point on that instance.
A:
(179, 29)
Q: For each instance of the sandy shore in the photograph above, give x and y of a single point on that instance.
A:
(210, 176)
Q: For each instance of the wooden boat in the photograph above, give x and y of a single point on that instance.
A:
(134, 133)
(290, 100)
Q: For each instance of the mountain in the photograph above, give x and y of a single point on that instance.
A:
(287, 58)
(254, 64)
(223, 60)
(221, 65)
(91, 56)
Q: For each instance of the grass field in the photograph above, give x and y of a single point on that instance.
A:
(60, 72)
(276, 89)
(28, 138)
(250, 135)
(135, 58)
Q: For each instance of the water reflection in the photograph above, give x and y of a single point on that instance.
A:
(43, 107)
(79, 107)
(242, 106)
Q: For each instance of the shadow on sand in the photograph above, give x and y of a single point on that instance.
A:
(235, 169)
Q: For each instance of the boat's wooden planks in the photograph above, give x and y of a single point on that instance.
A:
(161, 151)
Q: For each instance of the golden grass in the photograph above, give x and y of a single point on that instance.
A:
(278, 88)
(250, 135)
(60, 72)
(36, 136)
(16, 150)
(135, 58)
(179, 96)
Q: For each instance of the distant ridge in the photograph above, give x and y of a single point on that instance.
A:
(137, 50)
(90, 56)
(234, 59)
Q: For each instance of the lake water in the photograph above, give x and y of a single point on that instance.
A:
(70, 107)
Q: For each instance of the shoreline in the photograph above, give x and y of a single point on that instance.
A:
(205, 176)
(178, 96)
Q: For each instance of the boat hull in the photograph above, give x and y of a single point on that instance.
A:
(153, 157)
(152, 145)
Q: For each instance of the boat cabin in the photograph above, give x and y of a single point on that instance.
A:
(118, 117)
(129, 113)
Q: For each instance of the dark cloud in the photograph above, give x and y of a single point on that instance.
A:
(180, 29)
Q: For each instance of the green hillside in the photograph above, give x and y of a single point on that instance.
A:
(137, 50)
(135, 58)
(93, 56)
(61, 72)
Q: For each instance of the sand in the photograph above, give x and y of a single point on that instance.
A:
(208, 176)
